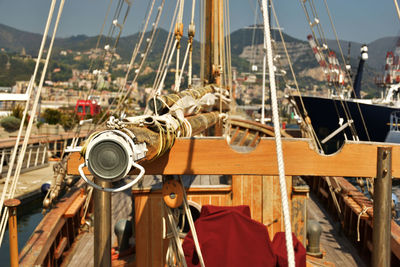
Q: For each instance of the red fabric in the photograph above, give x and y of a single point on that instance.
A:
(209, 209)
(279, 246)
(229, 237)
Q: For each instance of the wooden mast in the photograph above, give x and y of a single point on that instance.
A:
(209, 32)
(214, 41)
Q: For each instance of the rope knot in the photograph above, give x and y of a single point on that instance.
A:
(364, 210)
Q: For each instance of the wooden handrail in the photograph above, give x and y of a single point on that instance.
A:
(215, 156)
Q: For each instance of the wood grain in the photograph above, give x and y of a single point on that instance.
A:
(215, 156)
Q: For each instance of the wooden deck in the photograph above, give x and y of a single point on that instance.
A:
(82, 251)
(338, 248)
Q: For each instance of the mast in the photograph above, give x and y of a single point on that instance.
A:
(357, 81)
(208, 62)
(214, 41)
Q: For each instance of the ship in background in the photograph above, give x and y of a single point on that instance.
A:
(345, 115)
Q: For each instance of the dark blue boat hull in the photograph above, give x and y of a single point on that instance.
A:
(371, 121)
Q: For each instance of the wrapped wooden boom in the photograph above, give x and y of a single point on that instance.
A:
(110, 155)
(160, 104)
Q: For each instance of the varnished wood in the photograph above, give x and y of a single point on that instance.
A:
(75, 206)
(150, 247)
(215, 156)
(10, 142)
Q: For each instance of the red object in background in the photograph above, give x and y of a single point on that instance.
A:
(279, 246)
(86, 107)
(229, 237)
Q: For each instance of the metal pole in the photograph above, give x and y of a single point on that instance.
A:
(382, 209)
(102, 225)
(12, 204)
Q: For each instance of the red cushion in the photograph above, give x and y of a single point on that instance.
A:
(279, 246)
(229, 237)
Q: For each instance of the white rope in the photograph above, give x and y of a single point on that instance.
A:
(178, 82)
(281, 167)
(191, 224)
(263, 82)
(161, 85)
(397, 8)
(174, 230)
(145, 54)
(13, 156)
(178, 37)
(34, 109)
(364, 210)
(188, 49)
(167, 49)
(137, 46)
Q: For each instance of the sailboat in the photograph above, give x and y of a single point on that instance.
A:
(173, 140)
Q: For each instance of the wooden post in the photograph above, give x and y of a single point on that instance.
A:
(382, 209)
(209, 43)
(12, 204)
(102, 225)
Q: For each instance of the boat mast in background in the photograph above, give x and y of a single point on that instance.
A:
(360, 70)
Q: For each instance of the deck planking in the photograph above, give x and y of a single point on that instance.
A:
(338, 248)
(82, 252)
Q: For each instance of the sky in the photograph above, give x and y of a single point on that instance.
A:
(361, 21)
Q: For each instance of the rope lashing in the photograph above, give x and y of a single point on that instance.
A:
(364, 210)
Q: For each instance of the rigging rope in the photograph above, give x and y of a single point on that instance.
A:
(306, 119)
(312, 24)
(110, 54)
(34, 110)
(347, 71)
(144, 57)
(134, 53)
(178, 36)
(263, 80)
(166, 52)
(189, 49)
(397, 8)
(275, 114)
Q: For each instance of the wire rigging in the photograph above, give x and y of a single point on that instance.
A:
(34, 110)
(307, 119)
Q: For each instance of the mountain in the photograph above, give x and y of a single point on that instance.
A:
(14, 40)
(243, 42)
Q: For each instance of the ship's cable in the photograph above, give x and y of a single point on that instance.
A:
(275, 114)
(188, 50)
(397, 8)
(166, 52)
(316, 23)
(306, 119)
(34, 109)
(15, 150)
(347, 72)
(143, 60)
(134, 53)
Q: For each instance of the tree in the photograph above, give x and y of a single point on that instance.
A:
(52, 116)
(10, 123)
